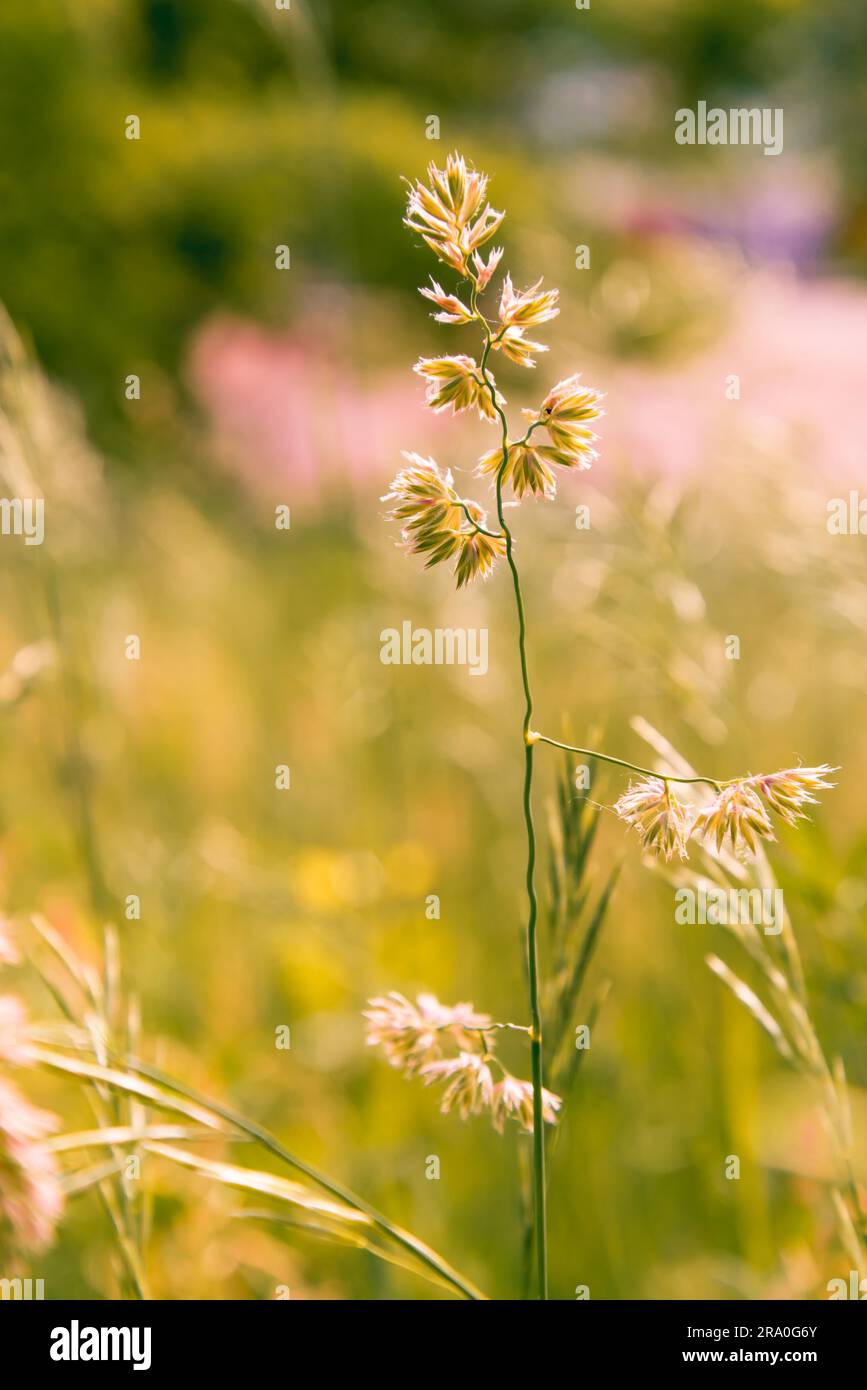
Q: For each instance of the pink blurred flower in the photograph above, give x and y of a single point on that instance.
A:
(30, 1193)
(296, 411)
(8, 950)
(13, 1030)
(307, 411)
(797, 349)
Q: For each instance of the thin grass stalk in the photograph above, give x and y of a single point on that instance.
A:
(120, 1212)
(539, 1184)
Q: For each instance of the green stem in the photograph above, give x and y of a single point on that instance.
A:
(621, 762)
(492, 1027)
(539, 1192)
(494, 535)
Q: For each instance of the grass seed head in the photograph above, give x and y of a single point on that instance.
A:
(662, 822)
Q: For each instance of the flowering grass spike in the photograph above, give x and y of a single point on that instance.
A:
(453, 217)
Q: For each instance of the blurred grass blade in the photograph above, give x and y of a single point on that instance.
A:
(122, 1081)
(428, 1257)
(85, 1178)
(255, 1180)
(66, 956)
(355, 1238)
(129, 1134)
(753, 1003)
(152, 1086)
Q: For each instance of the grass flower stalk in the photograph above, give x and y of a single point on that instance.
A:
(540, 1216)
(451, 214)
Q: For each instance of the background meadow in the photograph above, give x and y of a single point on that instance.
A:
(260, 647)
